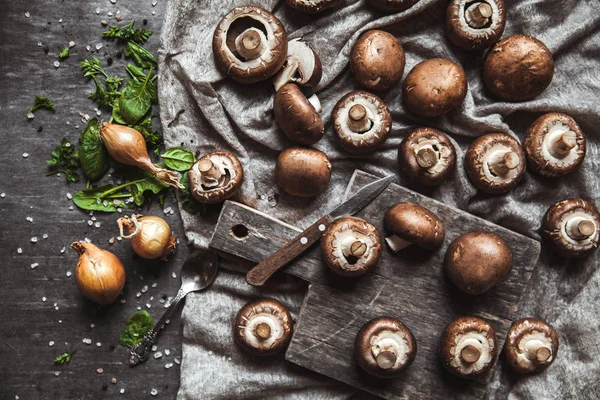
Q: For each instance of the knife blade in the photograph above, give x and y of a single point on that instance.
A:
(258, 275)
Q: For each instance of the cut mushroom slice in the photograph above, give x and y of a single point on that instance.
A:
(362, 122)
(531, 345)
(296, 116)
(427, 156)
(555, 145)
(263, 327)
(384, 347)
(313, 6)
(351, 246)
(495, 163)
(475, 25)
(468, 347)
(303, 172)
(572, 226)
(302, 66)
(215, 177)
(249, 44)
(409, 223)
(392, 6)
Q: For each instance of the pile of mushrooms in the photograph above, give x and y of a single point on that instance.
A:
(531, 345)
(409, 223)
(475, 25)
(215, 177)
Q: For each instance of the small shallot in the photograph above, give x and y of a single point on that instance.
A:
(151, 236)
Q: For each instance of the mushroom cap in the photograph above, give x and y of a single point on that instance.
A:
(233, 24)
(518, 68)
(337, 244)
(525, 337)
(384, 334)
(206, 189)
(302, 66)
(392, 6)
(463, 35)
(376, 111)
(296, 117)
(423, 139)
(555, 227)
(260, 314)
(377, 60)
(415, 224)
(463, 332)
(477, 164)
(313, 6)
(476, 261)
(303, 172)
(434, 87)
(539, 141)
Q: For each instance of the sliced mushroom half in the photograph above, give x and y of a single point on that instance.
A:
(392, 6)
(362, 122)
(554, 145)
(313, 6)
(531, 345)
(351, 246)
(263, 327)
(249, 44)
(475, 25)
(297, 117)
(495, 163)
(572, 226)
(303, 172)
(215, 177)
(468, 347)
(384, 347)
(302, 66)
(409, 223)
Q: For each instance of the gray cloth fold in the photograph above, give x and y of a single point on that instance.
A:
(202, 111)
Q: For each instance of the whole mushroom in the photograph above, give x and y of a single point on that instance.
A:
(263, 327)
(427, 156)
(313, 6)
(302, 66)
(215, 177)
(303, 172)
(476, 261)
(362, 122)
(531, 345)
(409, 223)
(434, 87)
(554, 145)
(384, 347)
(392, 6)
(297, 117)
(377, 60)
(351, 246)
(572, 226)
(249, 44)
(475, 25)
(468, 347)
(495, 163)
(518, 68)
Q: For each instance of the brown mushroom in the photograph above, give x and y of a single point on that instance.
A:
(409, 223)
(362, 122)
(531, 345)
(377, 60)
(427, 156)
(351, 246)
(384, 347)
(475, 25)
(303, 172)
(554, 145)
(215, 177)
(518, 68)
(434, 87)
(263, 327)
(302, 66)
(392, 6)
(476, 261)
(572, 227)
(249, 44)
(313, 6)
(468, 347)
(495, 163)
(297, 117)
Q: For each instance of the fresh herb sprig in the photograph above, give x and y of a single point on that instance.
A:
(107, 87)
(63, 160)
(65, 358)
(136, 327)
(41, 102)
(64, 53)
(127, 33)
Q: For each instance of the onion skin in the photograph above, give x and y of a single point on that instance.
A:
(99, 274)
(151, 238)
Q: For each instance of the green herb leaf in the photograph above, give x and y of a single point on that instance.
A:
(148, 183)
(92, 67)
(187, 201)
(137, 98)
(127, 33)
(63, 160)
(142, 57)
(97, 199)
(137, 326)
(92, 154)
(178, 159)
(65, 358)
(64, 53)
(151, 137)
(136, 72)
(41, 102)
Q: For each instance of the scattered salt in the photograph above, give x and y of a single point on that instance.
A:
(122, 391)
(177, 360)
(110, 14)
(27, 14)
(97, 224)
(63, 250)
(34, 239)
(154, 348)
(139, 308)
(98, 10)
(113, 1)
(56, 373)
(88, 47)
(168, 365)
(45, 236)
(71, 43)
(51, 343)
(174, 275)
(123, 301)
(19, 250)
(155, 284)
(87, 341)
(99, 46)
(98, 344)
(138, 294)
(145, 289)
(56, 64)
(60, 21)
(40, 44)
(119, 238)
(29, 219)
(113, 380)
(44, 298)
(69, 273)
(69, 196)
(3, 195)
(154, 392)
(148, 305)
(90, 222)
(25, 155)
(167, 352)
(167, 321)
(158, 354)
(34, 265)
(154, 3)
(111, 240)
(99, 370)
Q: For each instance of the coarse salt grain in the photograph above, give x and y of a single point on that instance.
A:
(138, 294)
(90, 222)
(56, 373)
(154, 3)
(113, 380)
(148, 305)
(99, 370)
(44, 298)
(98, 10)
(167, 321)
(92, 325)
(122, 391)
(177, 360)
(167, 352)
(97, 224)
(71, 43)
(69, 196)
(98, 344)
(87, 341)
(113, 1)
(99, 46)
(51, 343)
(158, 354)
(111, 240)
(25, 155)
(45, 236)
(69, 273)
(155, 284)
(19, 250)
(88, 47)
(27, 14)
(3, 195)
(154, 348)
(30, 115)
(139, 308)
(29, 219)
(119, 238)
(60, 21)
(34, 239)
(123, 301)
(174, 275)
(34, 265)
(154, 392)
(63, 250)
(110, 14)
(168, 365)
(145, 289)
(56, 64)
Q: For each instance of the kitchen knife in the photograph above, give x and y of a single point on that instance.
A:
(258, 275)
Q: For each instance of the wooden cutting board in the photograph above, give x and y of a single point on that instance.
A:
(410, 285)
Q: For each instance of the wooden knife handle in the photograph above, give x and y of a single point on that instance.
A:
(258, 275)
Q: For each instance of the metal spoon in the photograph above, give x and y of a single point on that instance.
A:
(197, 273)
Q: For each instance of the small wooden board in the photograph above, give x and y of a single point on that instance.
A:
(410, 286)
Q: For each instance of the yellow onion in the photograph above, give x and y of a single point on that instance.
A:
(150, 236)
(127, 146)
(99, 274)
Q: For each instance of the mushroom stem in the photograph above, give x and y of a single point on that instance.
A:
(501, 162)
(579, 228)
(358, 248)
(314, 101)
(251, 43)
(536, 351)
(209, 169)
(385, 359)
(358, 120)
(470, 354)
(542, 355)
(287, 72)
(563, 144)
(396, 243)
(477, 15)
(262, 331)
(426, 157)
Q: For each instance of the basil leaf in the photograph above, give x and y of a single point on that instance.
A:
(92, 154)
(116, 115)
(137, 98)
(142, 57)
(178, 159)
(93, 200)
(150, 183)
(136, 73)
(136, 327)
